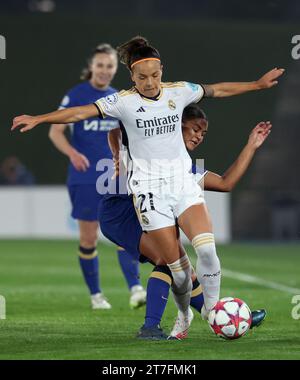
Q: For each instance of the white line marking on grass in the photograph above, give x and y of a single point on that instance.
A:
(259, 281)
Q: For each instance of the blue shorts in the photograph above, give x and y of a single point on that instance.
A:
(119, 223)
(85, 200)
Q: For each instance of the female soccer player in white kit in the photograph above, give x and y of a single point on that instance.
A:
(160, 177)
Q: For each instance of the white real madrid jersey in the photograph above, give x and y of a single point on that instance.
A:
(153, 128)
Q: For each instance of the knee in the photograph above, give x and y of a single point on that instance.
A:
(206, 254)
(88, 239)
(160, 262)
(204, 245)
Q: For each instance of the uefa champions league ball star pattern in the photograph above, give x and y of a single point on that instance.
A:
(230, 318)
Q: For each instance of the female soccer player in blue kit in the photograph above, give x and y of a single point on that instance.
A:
(89, 143)
(163, 187)
(120, 223)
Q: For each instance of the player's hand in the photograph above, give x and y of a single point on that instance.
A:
(270, 78)
(79, 161)
(259, 134)
(24, 122)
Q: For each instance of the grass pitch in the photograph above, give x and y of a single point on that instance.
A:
(49, 316)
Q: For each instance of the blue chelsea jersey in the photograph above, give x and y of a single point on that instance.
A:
(88, 137)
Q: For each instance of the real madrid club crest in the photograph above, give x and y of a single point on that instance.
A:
(172, 105)
(145, 220)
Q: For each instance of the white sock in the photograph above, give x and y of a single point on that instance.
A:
(208, 268)
(182, 283)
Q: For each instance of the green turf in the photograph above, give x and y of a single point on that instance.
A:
(49, 316)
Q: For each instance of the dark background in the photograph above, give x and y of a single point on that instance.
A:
(199, 41)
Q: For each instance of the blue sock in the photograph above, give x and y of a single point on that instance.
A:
(197, 299)
(130, 268)
(157, 295)
(89, 263)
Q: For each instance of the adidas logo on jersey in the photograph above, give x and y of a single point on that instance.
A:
(141, 109)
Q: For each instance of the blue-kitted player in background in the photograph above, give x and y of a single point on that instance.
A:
(90, 143)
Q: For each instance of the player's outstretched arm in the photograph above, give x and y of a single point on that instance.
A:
(219, 90)
(65, 116)
(231, 177)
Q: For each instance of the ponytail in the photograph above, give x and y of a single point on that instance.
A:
(136, 49)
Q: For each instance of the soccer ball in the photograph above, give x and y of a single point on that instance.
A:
(230, 318)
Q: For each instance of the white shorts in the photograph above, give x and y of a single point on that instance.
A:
(158, 203)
